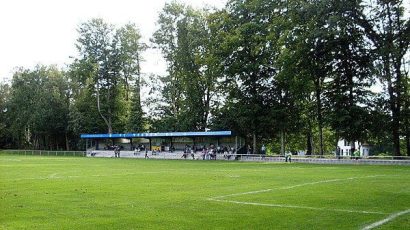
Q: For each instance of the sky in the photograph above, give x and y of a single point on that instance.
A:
(45, 31)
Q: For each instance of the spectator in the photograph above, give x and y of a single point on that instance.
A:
(204, 153)
(263, 149)
(193, 154)
(115, 151)
(288, 156)
(357, 154)
(338, 152)
(136, 150)
(249, 150)
(146, 153)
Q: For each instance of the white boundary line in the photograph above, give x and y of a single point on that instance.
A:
(297, 206)
(295, 186)
(387, 219)
(54, 175)
(219, 198)
(242, 193)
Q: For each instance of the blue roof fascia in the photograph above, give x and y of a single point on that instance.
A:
(152, 135)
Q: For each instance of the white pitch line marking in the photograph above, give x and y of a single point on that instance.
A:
(389, 218)
(294, 186)
(54, 175)
(297, 206)
(243, 193)
(328, 181)
(218, 199)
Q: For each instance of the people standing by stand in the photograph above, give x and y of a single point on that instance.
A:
(115, 150)
(146, 153)
(263, 151)
(249, 150)
(288, 156)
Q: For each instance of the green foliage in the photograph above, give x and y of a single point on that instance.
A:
(5, 122)
(247, 52)
(136, 121)
(320, 55)
(388, 30)
(349, 80)
(188, 89)
(109, 63)
(39, 108)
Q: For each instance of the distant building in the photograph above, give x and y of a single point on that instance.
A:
(346, 148)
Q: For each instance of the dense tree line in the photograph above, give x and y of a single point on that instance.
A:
(293, 74)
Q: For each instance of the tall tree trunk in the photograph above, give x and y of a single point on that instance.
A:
(319, 114)
(207, 102)
(397, 117)
(313, 146)
(406, 110)
(67, 143)
(337, 150)
(394, 102)
(138, 80)
(44, 143)
(282, 143)
(109, 124)
(396, 135)
(254, 142)
(408, 140)
(406, 117)
(309, 143)
(100, 112)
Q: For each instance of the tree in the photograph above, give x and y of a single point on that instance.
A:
(247, 54)
(110, 59)
(39, 102)
(260, 81)
(84, 116)
(318, 59)
(350, 77)
(389, 31)
(406, 108)
(5, 135)
(96, 46)
(130, 55)
(188, 89)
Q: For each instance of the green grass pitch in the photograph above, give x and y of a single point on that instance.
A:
(107, 193)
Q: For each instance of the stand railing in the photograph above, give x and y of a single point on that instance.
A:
(44, 153)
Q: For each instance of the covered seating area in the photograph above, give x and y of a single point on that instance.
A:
(167, 141)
